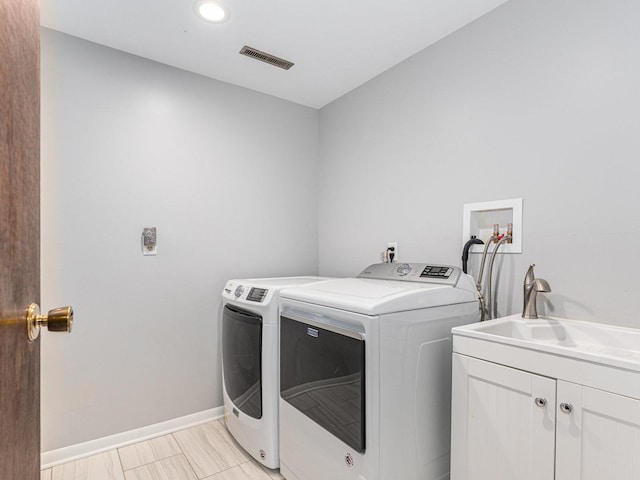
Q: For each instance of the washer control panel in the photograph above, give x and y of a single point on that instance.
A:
(413, 272)
(432, 271)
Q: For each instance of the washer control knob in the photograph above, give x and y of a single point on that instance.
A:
(239, 291)
(403, 269)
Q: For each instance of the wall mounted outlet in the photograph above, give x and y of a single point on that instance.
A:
(149, 241)
(393, 245)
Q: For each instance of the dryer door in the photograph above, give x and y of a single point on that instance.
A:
(242, 359)
(322, 375)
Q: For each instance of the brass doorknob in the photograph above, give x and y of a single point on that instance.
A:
(57, 320)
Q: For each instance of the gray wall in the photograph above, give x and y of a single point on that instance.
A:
(227, 176)
(539, 99)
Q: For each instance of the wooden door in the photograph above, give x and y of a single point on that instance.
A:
(19, 237)
(502, 423)
(598, 434)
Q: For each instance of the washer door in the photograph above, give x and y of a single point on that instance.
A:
(322, 375)
(242, 359)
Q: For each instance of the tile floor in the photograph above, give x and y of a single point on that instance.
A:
(203, 452)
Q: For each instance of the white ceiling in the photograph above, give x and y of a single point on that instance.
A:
(336, 45)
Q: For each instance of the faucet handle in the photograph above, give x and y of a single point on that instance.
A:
(530, 276)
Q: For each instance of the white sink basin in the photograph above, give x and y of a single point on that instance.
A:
(594, 342)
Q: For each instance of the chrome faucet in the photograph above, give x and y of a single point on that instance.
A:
(532, 286)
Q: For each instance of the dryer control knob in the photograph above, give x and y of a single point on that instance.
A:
(403, 269)
(239, 291)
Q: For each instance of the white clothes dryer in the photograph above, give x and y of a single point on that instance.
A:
(365, 379)
(250, 360)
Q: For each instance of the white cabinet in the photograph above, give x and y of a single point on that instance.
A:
(599, 438)
(498, 430)
(511, 424)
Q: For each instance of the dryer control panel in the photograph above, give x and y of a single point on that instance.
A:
(245, 293)
(413, 272)
(257, 294)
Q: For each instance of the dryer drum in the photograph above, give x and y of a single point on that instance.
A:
(242, 359)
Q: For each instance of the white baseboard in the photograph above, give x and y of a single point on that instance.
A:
(73, 452)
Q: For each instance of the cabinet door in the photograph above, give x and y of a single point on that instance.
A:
(498, 431)
(598, 435)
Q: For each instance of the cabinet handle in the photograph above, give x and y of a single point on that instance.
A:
(566, 407)
(541, 402)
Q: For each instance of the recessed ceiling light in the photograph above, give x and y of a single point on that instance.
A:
(211, 11)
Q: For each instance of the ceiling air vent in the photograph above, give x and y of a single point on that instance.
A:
(266, 57)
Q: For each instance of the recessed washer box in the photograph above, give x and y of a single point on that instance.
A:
(479, 219)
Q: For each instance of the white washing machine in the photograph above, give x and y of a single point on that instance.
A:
(250, 362)
(365, 376)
